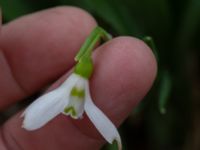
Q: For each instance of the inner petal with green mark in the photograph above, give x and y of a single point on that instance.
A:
(75, 107)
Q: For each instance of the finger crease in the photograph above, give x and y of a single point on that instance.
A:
(13, 74)
(9, 141)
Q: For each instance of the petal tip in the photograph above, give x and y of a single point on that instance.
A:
(24, 127)
(27, 128)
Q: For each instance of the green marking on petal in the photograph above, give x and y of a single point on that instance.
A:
(80, 93)
(71, 111)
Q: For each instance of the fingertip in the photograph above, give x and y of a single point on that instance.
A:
(139, 56)
(127, 64)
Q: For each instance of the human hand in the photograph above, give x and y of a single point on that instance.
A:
(37, 49)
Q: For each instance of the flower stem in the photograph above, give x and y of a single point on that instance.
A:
(91, 41)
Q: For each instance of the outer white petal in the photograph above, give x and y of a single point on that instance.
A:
(101, 122)
(48, 106)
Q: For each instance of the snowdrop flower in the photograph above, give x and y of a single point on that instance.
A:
(72, 98)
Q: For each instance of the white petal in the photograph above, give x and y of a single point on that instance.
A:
(101, 122)
(48, 106)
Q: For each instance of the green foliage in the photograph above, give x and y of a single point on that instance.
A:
(164, 91)
(150, 42)
(14, 8)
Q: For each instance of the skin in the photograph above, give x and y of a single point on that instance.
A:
(35, 50)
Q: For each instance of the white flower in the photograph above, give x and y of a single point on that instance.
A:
(71, 98)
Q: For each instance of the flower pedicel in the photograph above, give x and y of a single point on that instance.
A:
(73, 97)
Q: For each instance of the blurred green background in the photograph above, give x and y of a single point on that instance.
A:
(168, 118)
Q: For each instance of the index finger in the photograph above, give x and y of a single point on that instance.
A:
(38, 48)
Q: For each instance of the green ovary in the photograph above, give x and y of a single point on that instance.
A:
(84, 68)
